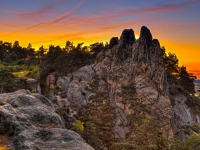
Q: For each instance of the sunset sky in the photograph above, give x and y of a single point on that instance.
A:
(176, 23)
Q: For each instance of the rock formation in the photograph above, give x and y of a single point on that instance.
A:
(31, 119)
(34, 85)
(141, 59)
(34, 125)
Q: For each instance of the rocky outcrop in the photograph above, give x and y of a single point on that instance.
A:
(128, 58)
(113, 41)
(51, 80)
(34, 85)
(31, 120)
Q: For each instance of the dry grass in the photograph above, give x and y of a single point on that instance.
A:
(19, 74)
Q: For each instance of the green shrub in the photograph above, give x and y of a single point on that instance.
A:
(78, 126)
(33, 91)
(176, 145)
(64, 113)
(122, 146)
(1, 103)
(192, 102)
(193, 142)
(195, 128)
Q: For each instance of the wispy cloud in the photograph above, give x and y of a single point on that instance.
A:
(59, 18)
(41, 11)
(179, 25)
(56, 20)
(32, 14)
(12, 11)
(173, 6)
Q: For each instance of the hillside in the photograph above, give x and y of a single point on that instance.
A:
(122, 97)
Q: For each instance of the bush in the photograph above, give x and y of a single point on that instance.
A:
(64, 113)
(1, 103)
(78, 126)
(192, 102)
(195, 128)
(122, 146)
(176, 145)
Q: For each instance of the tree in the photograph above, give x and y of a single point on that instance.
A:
(96, 48)
(98, 118)
(145, 132)
(8, 83)
(69, 46)
(186, 80)
(30, 52)
(171, 64)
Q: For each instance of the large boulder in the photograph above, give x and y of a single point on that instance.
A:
(31, 120)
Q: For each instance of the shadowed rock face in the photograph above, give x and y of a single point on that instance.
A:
(34, 124)
(124, 49)
(141, 59)
(145, 36)
(113, 41)
(127, 37)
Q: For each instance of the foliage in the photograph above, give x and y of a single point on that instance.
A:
(176, 145)
(38, 64)
(8, 82)
(1, 103)
(186, 80)
(96, 48)
(171, 64)
(128, 94)
(78, 127)
(178, 75)
(194, 127)
(122, 146)
(148, 135)
(34, 72)
(145, 132)
(64, 113)
(98, 117)
(192, 102)
(192, 143)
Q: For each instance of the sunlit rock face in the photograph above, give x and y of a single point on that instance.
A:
(127, 58)
(31, 119)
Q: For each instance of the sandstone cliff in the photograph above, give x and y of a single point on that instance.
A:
(127, 58)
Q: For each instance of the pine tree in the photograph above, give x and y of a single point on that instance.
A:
(98, 117)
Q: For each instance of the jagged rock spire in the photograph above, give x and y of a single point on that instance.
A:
(125, 45)
(113, 41)
(127, 37)
(145, 36)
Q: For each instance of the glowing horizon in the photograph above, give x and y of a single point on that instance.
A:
(174, 23)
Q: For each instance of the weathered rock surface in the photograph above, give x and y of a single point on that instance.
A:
(125, 59)
(34, 85)
(31, 119)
